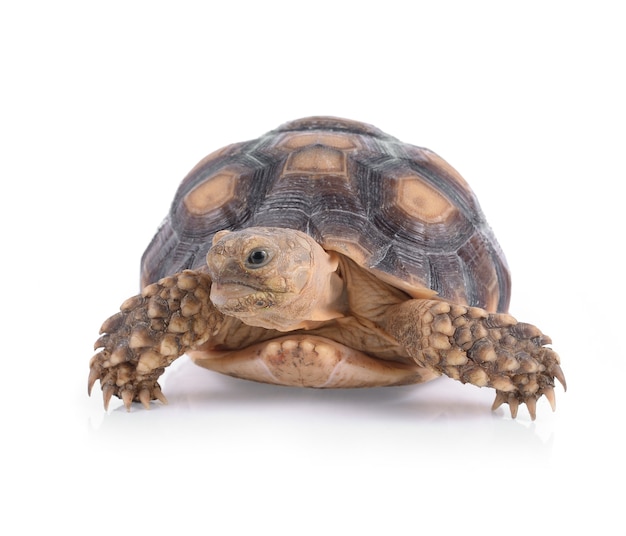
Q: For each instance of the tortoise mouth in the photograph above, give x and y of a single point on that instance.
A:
(236, 296)
(234, 285)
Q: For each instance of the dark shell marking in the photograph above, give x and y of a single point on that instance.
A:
(392, 207)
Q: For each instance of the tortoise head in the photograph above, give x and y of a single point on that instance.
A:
(274, 278)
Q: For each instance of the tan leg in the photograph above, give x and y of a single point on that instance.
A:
(485, 349)
(149, 333)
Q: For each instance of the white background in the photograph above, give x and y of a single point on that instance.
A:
(105, 106)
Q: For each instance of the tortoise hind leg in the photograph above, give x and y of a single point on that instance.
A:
(485, 349)
(148, 334)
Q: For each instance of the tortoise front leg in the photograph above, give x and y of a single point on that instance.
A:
(474, 346)
(151, 330)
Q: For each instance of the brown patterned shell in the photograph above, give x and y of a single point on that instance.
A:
(396, 209)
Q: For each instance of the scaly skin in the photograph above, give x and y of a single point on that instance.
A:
(151, 330)
(485, 349)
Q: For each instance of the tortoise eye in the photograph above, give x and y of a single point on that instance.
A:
(257, 258)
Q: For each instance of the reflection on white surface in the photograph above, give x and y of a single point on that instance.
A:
(231, 454)
(369, 459)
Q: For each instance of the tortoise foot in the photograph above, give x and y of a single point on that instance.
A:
(119, 381)
(149, 332)
(485, 349)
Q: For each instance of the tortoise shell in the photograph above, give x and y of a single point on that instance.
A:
(398, 210)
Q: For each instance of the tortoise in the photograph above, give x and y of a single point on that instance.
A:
(325, 254)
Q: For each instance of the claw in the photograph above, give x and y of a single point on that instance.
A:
(159, 395)
(531, 404)
(144, 397)
(107, 393)
(513, 406)
(93, 376)
(544, 340)
(101, 342)
(549, 392)
(112, 323)
(500, 399)
(127, 398)
(558, 374)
